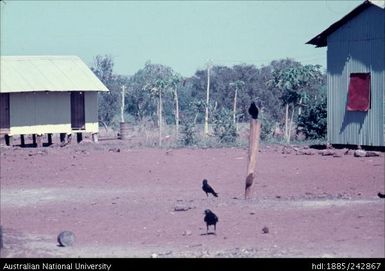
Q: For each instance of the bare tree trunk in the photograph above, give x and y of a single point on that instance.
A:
(291, 124)
(160, 118)
(286, 120)
(206, 128)
(176, 113)
(235, 109)
(300, 106)
(122, 105)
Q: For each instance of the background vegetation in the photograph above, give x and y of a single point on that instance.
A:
(168, 108)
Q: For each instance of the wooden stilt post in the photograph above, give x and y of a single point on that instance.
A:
(49, 139)
(39, 141)
(79, 137)
(255, 130)
(22, 140)
(62, 137)
(9, 140)
(34, 140)
(69, 138)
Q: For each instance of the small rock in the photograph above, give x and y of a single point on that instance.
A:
(285, 150)
(346, 151)
(308, 152)
(327, 152)
(265, 230)
(372, 154)
(187, 233)
(359, 153)
(181, 208)
(252, 213)
(114, 150)
(66, 238)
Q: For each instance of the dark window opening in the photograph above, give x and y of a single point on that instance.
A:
(77, 110)
(359, 92)
(4, 112)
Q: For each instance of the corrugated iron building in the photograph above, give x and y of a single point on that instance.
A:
(46, 95)
(356, 47)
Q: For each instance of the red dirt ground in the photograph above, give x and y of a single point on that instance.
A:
(122, 204)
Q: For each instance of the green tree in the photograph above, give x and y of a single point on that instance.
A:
(224, 127)
(156, 89)
(188, 133)
(293, 82)
(313, 120)
(108, 102)
(143, 87)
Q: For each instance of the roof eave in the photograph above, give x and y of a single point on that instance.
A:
(321, 39)
(318, 41)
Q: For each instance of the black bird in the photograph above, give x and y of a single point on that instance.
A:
(253, 110)
(208, 189)
(210, 219)
(381, 195)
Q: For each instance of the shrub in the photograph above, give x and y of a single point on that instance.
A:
(313, 120)
(267, 125)
(188, 133)
(224, 127)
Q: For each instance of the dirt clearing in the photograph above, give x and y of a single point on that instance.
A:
(123, 203)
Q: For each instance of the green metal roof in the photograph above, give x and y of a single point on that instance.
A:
(46, 73)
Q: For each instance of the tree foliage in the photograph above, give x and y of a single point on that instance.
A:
(312, 122)
(224, 128)
(108, 102)
(282, 82)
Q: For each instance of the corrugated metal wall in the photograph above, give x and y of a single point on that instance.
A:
(358, 46)
(48, 112)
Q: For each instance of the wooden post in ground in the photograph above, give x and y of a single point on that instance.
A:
(255, 130)
(62, 138)
(39, 141)
(9, 140)
(79, 137)
(22, 140)
(34, 140)
(49, 139)
(123, 87)
(95, 138)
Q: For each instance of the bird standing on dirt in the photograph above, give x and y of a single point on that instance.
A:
(208, 189)
(381, 195)
(210, 219)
